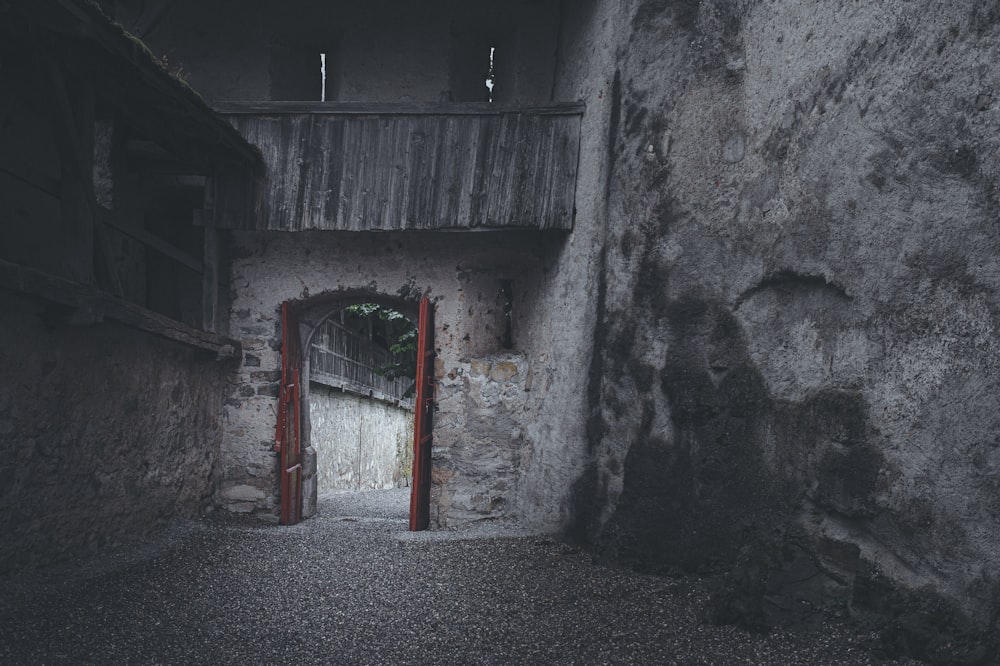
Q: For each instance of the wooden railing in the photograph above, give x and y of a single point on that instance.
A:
(359, 167)
(348, 360)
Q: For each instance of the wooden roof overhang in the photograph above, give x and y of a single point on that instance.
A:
(352, 166)
(77, 40)
(81, 74)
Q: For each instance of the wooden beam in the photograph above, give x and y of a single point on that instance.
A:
(139, 317)
(210, 281)
(348, 386)
(101, 305)
(151, 241)
(74, 146)
(34, 179)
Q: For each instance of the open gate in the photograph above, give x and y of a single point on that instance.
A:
(420, 492)
(288, 435)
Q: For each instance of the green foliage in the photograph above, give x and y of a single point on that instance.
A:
(401, 338)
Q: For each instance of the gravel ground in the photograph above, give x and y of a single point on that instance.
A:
(354, 587)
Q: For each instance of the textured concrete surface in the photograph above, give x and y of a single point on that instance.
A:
(105, 433)
(354, 587)
(799, 305)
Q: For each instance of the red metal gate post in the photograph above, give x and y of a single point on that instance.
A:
(420, 492)
(288, 435)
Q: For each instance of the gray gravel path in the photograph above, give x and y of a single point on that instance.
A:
(354, 587)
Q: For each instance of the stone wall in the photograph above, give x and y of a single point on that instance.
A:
(797, 368)
(106, 433)
(462, 274)
(360, 443)
(480, 437)
(565, 299)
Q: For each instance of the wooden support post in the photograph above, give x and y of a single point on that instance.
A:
(152, 241)
(74, 130)
(210, 281)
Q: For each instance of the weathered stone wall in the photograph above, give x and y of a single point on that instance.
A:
(360, 443)
(480, 438)
(566, 298)
(462, 274)
(797, 366)
(106, 433)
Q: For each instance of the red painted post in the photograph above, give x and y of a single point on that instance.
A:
(420, 490)
(288, 434)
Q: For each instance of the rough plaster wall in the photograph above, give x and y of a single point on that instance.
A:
(801, 301)
(461, 273)
(562, 305)
(360, 443)
(105, 434)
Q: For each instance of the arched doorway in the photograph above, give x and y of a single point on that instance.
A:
(302, 322)
(362, 372)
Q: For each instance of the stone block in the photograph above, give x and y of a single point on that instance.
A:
(503, 371)
(240, 507)
(243, 493)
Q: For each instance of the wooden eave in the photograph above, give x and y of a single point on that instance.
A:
(348, 166)
(86, 304)
(135, 84)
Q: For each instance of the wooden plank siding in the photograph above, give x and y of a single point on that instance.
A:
(352, 167)
(346, 359)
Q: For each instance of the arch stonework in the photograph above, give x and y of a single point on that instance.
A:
(482, 398)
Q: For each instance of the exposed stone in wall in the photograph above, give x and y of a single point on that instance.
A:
(800, 304)
(479, 437)
(462, 274)
(565, 297)
(360, 443)
(106, 433)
